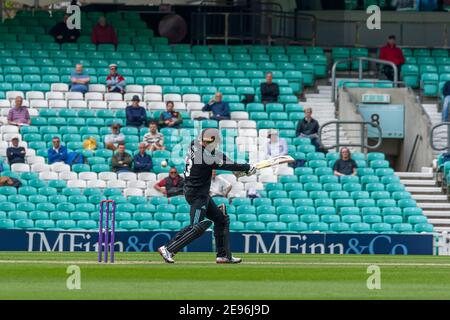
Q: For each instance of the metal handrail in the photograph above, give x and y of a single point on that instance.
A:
(363, 144)
(214, 3)
(268, 15)
(433, 146)
(413, 152)
(360, 71)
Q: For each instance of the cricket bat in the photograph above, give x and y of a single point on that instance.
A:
(273, 162)
(269, 163)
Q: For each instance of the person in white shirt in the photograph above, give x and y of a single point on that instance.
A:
(276, 146)
(220, 187)
(115, 138)
(153, 139)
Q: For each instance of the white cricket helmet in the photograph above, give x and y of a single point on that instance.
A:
(211, 137)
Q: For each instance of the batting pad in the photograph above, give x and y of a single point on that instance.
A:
(187, 235)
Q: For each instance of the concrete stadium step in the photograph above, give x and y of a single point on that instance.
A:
(320, 95)
(437, 213)
(422, 190)
(326, 93)
(440, 222)
(432, 206)
(318, 100)
(317, 104)
(418, 183)
(430, 197)
(414, 175)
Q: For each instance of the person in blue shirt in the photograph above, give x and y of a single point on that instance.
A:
(79, 80)
(220, 110)
(57, 153)
(142, 161)
(136, 115)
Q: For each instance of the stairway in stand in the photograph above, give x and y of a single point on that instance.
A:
(323, 111)
(429, 197)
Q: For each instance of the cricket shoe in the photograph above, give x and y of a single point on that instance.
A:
(167, 256)
(228, 260)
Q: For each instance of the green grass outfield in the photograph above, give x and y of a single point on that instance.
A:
(196, 276)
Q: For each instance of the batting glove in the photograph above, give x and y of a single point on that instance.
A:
(251, 171)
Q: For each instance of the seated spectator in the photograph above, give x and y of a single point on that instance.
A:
(171, 185)
(390, 52)
(252, 193)
(103, 33)
(170, 118)
(121, 160)
(114, 81)
(220, 187)
(112, 140)
(446, 106)
(276, 146)
(153, 139)
(269, 90)
(15, 153)
(345, 166)
(9, 182)
(142, 161)
(136, 115)
(62, 33)
(309, 128)
(19, 115)
(59, 153)
(220, 110)
(79, 80)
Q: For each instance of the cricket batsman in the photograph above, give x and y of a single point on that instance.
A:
(202, 157)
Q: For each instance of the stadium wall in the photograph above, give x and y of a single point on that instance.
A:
(416, 123)
(348, 28)
(289, 243)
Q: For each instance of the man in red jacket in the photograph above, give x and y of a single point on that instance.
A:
(392, 53)
(103, 33)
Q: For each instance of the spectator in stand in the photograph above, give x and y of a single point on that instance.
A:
(112, 140)
(170, 118)
(220, 187)
(15, 153)
(276, 146)
(136, 115)
(18, 115)
(79, 80)
(153, 139)
(121, 161)
(62, 33)
(446, 105)
(269, 90)
(309, 128)
(171, 185)
(10, 182)
(390, 52)
(142, 161)
(103, 33)
(59, 153)
(114, 81)
(345, 165)
(220, 110)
